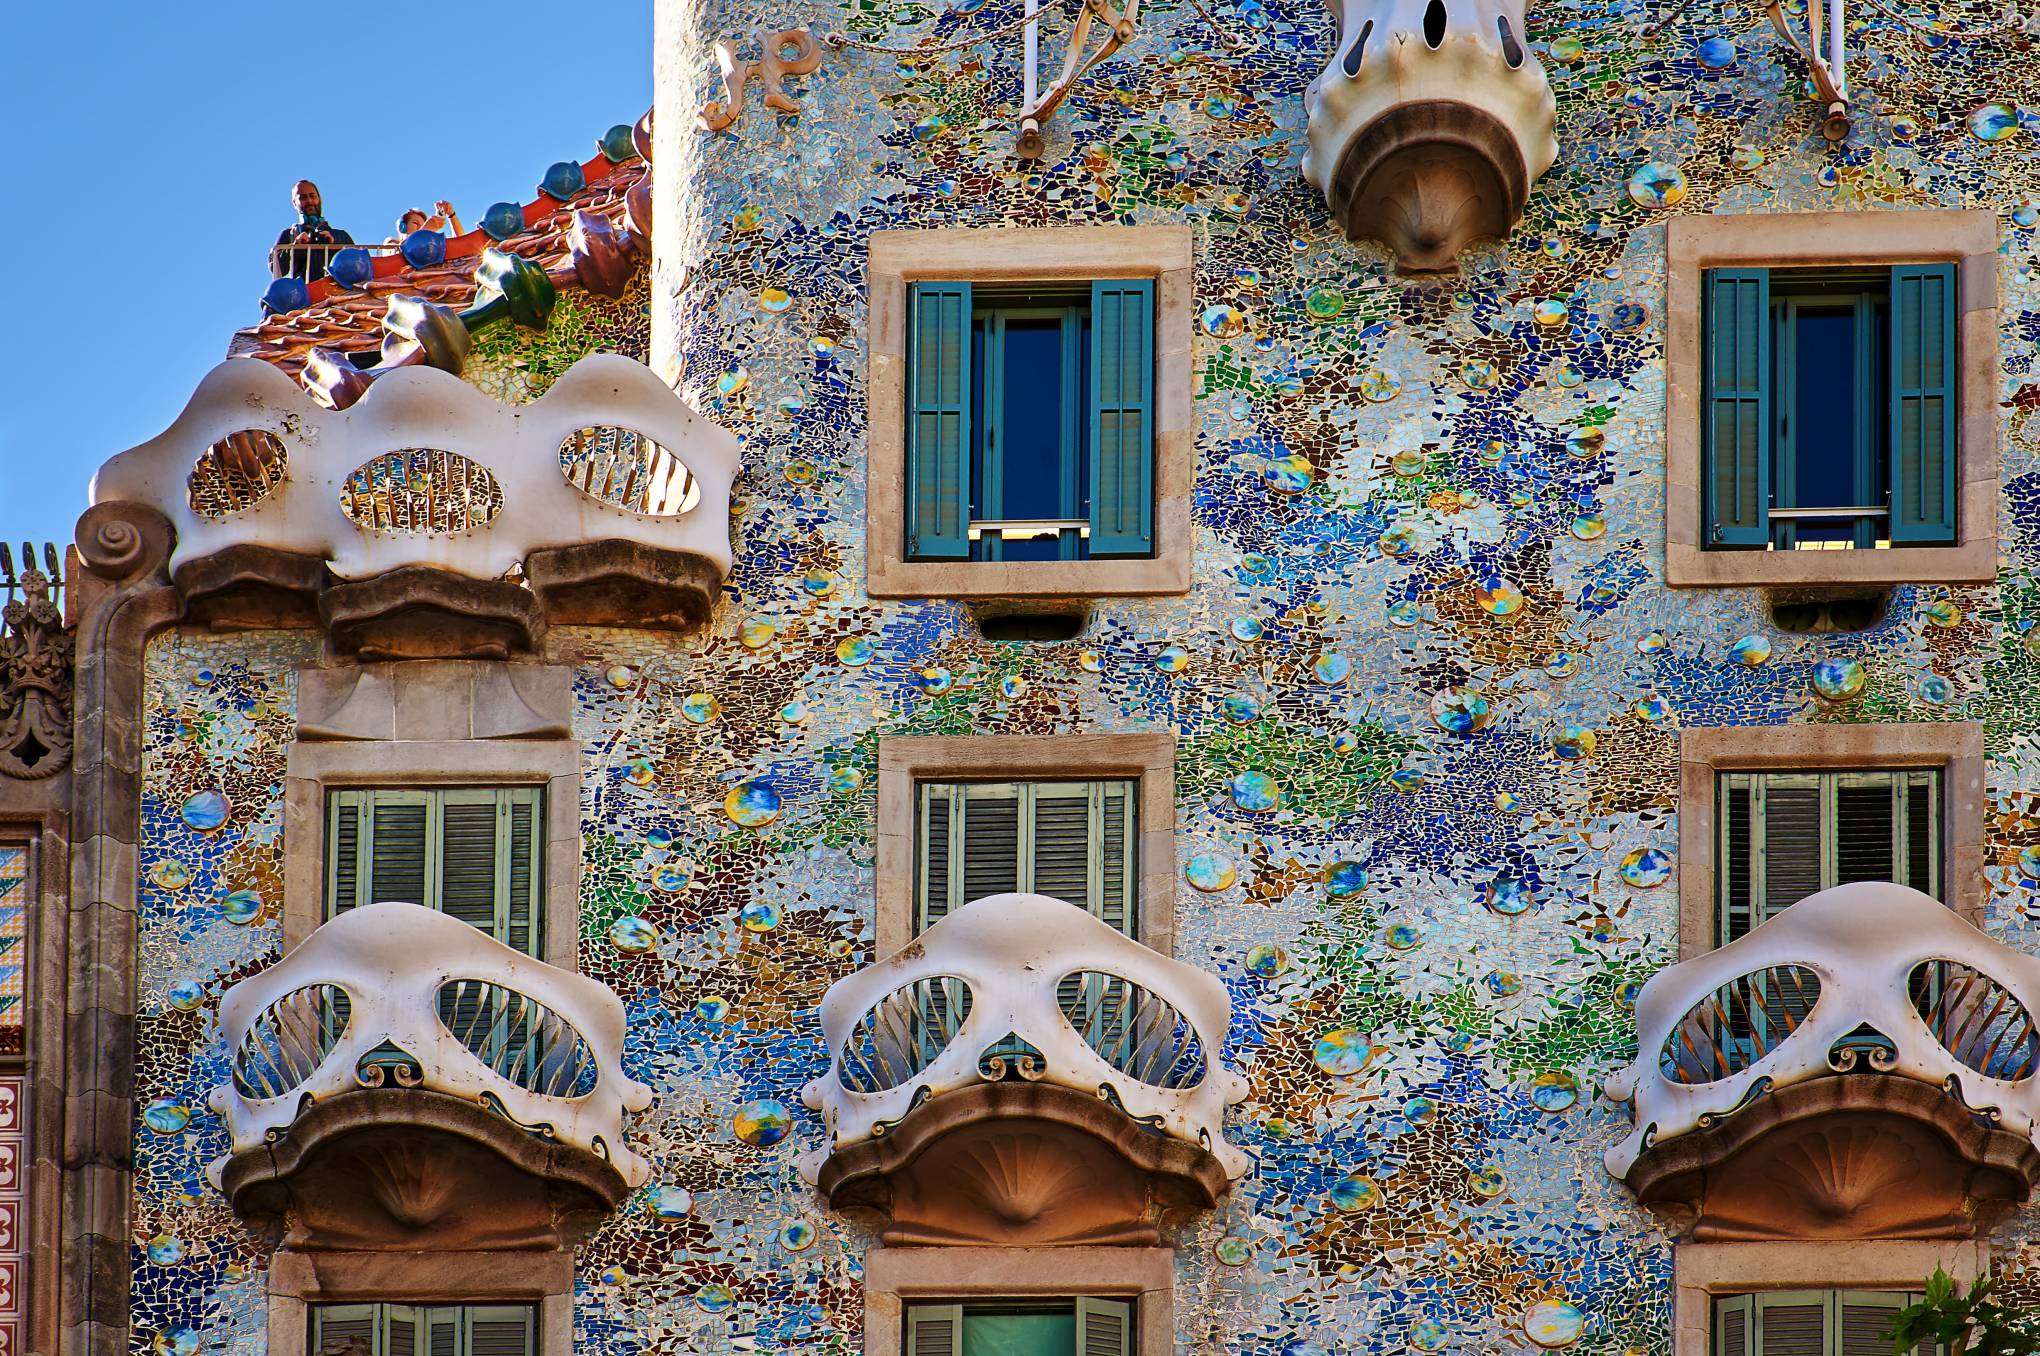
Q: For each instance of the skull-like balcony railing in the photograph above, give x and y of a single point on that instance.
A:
(1429, 124)
(1861, 1065)
(403, 1074)
(1023, 1072)
(428, 519)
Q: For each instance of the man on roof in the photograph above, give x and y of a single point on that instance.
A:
(303, 250)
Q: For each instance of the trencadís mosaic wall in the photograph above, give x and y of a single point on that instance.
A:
(1416, 501)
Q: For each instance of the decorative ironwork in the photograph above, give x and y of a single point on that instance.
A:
(903, 1033)
(518, 1038)
(1738, 1024)
(289, 1039)
(36, 657)
(1140, 1034)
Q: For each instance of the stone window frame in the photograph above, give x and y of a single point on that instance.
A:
(896, 1277)
(1700, 1271)
(1028, 254)
(1954, 748)
(428, 725)
(300, 1279)
(1968, 239)
(905, 760)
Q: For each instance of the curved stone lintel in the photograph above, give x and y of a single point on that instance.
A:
(1851, 1156)
(408, 1169)
(252, 587)
(1021, 1164)
(623, 583)
(422, 613)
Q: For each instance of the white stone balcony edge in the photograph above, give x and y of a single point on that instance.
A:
(421, 407)
(392, 960)
(1862, 941)
(1012, 950)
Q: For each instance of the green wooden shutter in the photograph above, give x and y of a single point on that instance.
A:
(1104, 1327)
(1923, 407)
(1792, 1323)
(336, 1326)
(1792, 838)
(1862, 1316)
(1118, 846)
(473, 873)
(400, 849)
(400, 1330)
(1063, 840)
(1920, 821)
(1732, 1319)
(933, 829)
(992, 842)
(1737, 391)
(500, 1330)
(1122, 418)
(938, 422)
(1866, 831)
(934, 1330)
(443, 1335)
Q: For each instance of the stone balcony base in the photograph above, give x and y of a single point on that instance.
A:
(404, 1168)
(1850, 1156)
(1026, 1164)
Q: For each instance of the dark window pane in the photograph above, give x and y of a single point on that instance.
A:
(1824, 419)
(1033, 454)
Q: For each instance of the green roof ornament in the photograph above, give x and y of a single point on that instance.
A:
(618, 145)
(509, 286)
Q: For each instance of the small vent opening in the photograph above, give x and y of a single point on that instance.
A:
(1828, 611)
(1434, 23)
(1351, 64)
(1022, 624)
(1512, 51)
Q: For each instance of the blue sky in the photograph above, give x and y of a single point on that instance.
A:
(151, 149)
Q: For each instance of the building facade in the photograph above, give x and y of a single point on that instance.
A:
(1205, 678)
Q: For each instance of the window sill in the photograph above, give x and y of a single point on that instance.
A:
(1973, 561)
(1163, 574)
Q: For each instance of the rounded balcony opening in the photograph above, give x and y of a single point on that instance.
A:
(518, 1038)
(1350, 63)
(1738, 1024)
(237, 472)
(422, 490)
(903, 1034)
(1434, 24)
(289, 1040)
(1140, 1034)
(625, 469)
(1975, 1019)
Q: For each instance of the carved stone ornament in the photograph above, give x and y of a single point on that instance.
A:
(36, 653)
(428, 520)
(1429, 124)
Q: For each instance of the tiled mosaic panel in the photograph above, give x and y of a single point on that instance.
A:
(13, 1213)
(1371, 453)
(14, 894)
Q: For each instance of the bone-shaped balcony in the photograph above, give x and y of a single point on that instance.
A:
(403, 1076)
(1863, 1065)
(1429, 125)
(427, 519)
(1025, 1073)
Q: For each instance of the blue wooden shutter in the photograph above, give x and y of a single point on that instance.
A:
(938, 423)
(1923, 404)
(1737, 391)
(1122, 418)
